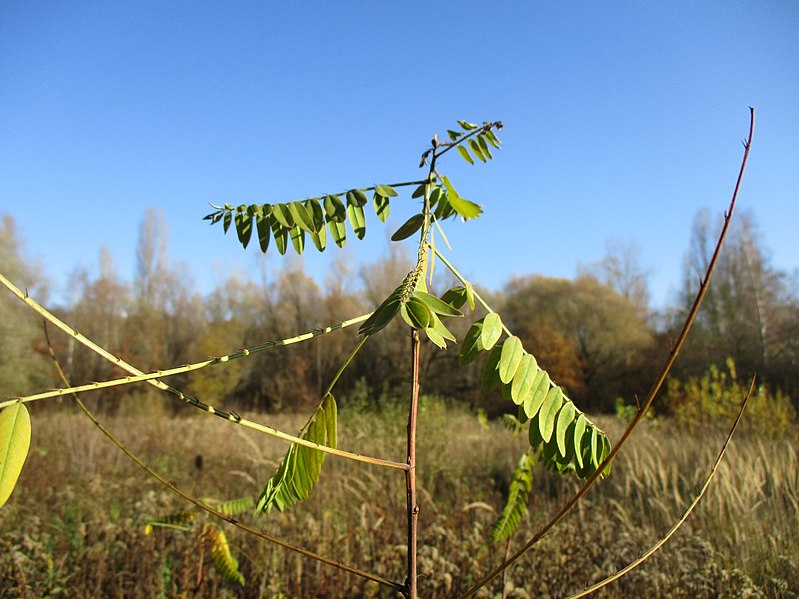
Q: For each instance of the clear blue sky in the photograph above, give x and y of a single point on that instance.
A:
(621, 120)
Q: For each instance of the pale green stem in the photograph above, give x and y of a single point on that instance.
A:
(193, 401)
(188, 367)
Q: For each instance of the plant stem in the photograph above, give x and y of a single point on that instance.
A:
(410, 473)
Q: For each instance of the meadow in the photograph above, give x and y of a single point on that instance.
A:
(77, 524)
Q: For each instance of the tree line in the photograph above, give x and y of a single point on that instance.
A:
(596, 334)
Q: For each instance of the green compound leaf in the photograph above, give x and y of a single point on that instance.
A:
(492, 330)
(224, 562)
(382, 207)
(518, 494)
(15, 441)
(465, 154)
(408, 228)
(299, 471)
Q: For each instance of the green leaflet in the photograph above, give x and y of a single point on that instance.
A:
(382, 207)
(356, 197)
(465, 209)
(564, 419)
(299, 471)
(386, 191)
(281, 235)
(579, 431)
(243, 228)
(282, 214)
(338, 230)
(416, 313)
(383, 315)
(538, 393)
(523, 379)
(465, 154)
(549, 409)
(512, 352)
(357, 220)
(297, 236)
(15, 441)
(491, 377)
(455, 297)
(471, 345)
(492, 330)
(408, 228)
(334, 209)
(473, 145)
(302, 217)
(439, 306)
(262, 224)
(234, 507)
(516, 505)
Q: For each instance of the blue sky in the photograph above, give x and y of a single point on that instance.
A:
(621, 121)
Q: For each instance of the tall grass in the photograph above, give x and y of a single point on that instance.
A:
(75, 526)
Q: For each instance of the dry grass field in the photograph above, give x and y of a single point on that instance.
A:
(75, 526)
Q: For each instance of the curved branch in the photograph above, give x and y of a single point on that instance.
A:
(192, 401)
(203, 506)
(653, 392)
(649, 552)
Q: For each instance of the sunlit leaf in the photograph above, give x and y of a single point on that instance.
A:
(455, 297)
(512, 352)
(564, 418)
(549, 409)
(385, 191)
(334, 209)
(297, 236)
(15, 440)
(579, 431)
(302, 217)
(538, 394)
(475, 147)
(243, 228)
(492, 330)
(467, 125)
(338, 230)
(416, 313)
(283, 215)
(357, 220)
(224, 562)
(382, 207)
(319, 239)
(523, 379)
(356, 197)
(481, 140)
(465, 209)
(437, 305)
(465, 154)
(280, 233)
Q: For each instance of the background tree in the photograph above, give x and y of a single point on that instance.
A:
(605, 332)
